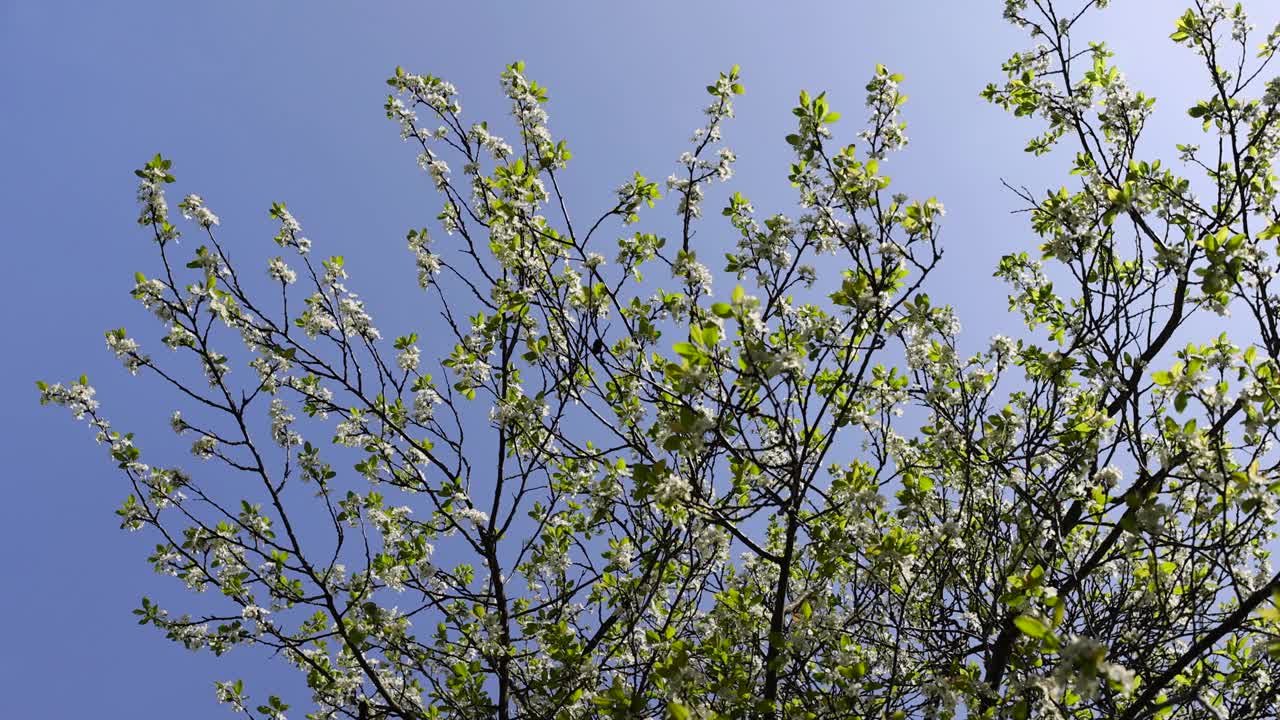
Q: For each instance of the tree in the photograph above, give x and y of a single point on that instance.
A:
(795, 499)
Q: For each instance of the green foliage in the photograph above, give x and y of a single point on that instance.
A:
(632, 494)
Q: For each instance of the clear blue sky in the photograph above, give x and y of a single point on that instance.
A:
(258, 102)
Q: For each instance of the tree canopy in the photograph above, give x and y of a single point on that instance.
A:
(623, 473)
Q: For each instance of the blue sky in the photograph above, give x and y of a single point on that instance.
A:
(258, 102)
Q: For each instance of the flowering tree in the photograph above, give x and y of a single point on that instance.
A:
(613, 496)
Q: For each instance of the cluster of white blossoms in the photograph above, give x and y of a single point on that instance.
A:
(1109, 476)
(438, 94)
(1003, 348)
(155, 208)
(1271, 92)
(630, 196)
(930, 339)
(473, 370)
(711, 542)
(335, 271)
(277, 269)
(193, 208)
(126, 349)
(355, 319)
(696, 275)
(77, 397)
(519, 412)
(354, 430)
(496, 146)
(526, 99)
(765, 248)
(1013, 10)
(437, 168)
(268, 370)
(672, 492)
(1088, 654)
(204, 447)
(281, 420)
(231, 693)
(290, 233)
(151, 293)
(427, 262)
(695, 167)
(254, 613)
(690, 193)
(408, 358)
(404, 116)
(1123, 109)
(724, 166)
(425, 401)
(698, 171)
(317, 319)
(351, 317)
(1240, 25)
(391, 522)
(464, 510)
(789, 360)
(886, 132)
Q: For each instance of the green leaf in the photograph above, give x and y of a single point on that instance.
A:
(1031, 626)
(710, 335)
(685, 349)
